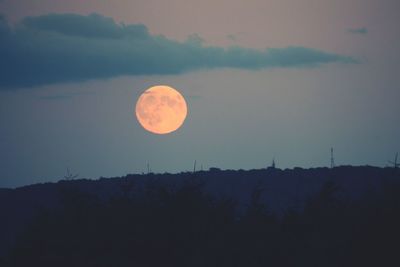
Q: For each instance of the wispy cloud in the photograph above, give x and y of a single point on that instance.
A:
(231, 37)
(58, 48)
(362, 30)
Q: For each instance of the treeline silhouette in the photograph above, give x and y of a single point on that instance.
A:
(185, 226)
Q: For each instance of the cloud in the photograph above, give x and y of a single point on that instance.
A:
(57, 48)
(362, 30)
(231, 37)
(91, 26)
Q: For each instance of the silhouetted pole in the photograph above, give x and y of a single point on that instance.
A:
(194, 166)
(395, 164)
(332, 159)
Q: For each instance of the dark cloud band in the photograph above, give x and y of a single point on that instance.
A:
(58, 48)
(362, 30)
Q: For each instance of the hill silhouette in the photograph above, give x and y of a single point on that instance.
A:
(344, 216)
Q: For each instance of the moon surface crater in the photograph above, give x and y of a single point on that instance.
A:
(161, 109)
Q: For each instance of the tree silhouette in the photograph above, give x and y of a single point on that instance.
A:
(183, 225)
(69, 176)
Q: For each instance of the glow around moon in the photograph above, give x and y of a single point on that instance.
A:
(161, 109)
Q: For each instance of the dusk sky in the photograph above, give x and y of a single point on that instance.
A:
(263, 79)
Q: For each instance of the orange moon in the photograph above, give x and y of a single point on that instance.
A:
(161, 109)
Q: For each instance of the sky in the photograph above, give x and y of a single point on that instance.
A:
(262, 79)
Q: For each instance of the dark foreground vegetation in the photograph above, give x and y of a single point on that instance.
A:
(185, 226)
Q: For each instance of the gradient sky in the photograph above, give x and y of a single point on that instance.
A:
(263, 79)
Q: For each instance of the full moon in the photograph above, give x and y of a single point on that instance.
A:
(161, 109)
